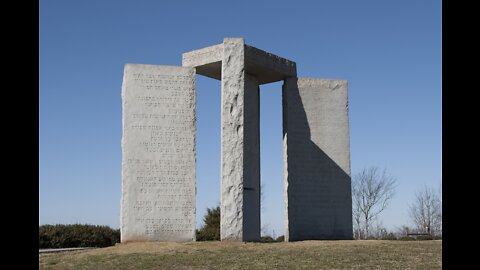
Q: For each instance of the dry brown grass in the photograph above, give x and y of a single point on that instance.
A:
(356, 254)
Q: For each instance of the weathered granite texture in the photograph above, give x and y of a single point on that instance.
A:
(241, 68)
(207, 61)
(233, 141)
(265, 66)
(158, 153)
(232, 136)
(317, 159)
(158, 144)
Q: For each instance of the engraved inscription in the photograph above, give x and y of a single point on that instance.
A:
(159, 153)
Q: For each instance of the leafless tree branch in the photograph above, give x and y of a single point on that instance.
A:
(372, 191)
(426, 211)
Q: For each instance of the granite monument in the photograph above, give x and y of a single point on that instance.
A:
(158, 147)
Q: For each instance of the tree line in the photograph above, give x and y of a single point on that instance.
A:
(372, 191)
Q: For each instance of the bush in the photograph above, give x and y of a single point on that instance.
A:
(424, 237)
(280, 238)
(266, 239)
(77, 235)
(406, 238)
(211, 227)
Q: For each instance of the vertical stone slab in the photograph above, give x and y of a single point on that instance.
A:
(232, 143)
(251, 161)
(240, 154)
(158, 153)
(317, 159)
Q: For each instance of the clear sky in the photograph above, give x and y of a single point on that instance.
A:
(389, 51)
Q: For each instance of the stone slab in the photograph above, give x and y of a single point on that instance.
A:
(317, 159)
(251, 162)
(207, 61)
(232, 140)
(268, 67)
(265, 66)
(240, 161)
(158, 153)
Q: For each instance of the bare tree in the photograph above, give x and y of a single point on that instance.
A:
(356, 211)
(262, 197)
(372, 192)
(426, 211)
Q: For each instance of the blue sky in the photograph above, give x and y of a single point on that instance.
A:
(389, 51)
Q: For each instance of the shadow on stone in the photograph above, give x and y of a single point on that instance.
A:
(318, 190)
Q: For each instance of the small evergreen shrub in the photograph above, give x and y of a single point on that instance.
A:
(266, 239)
(77, 235)
(211, 227)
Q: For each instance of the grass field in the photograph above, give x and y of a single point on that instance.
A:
(359, 254)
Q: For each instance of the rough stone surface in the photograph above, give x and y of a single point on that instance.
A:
(207, 61)
(264, 66)
(158, 153)
(240, 183)
(158, 144)
(203, 56)
(232, 136)
(317, 159)
(268, 67)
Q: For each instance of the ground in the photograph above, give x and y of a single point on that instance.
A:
(355, 254)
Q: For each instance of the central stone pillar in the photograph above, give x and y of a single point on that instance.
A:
(240, 168)
(241, 68)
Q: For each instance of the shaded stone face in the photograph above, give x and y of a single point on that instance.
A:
(158, 154)
(316, 159)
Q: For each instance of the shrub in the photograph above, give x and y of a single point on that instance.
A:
(424, 237)
(266, 239)
(211, 227)
(406, 238)
(77, 235)
(280, 238)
